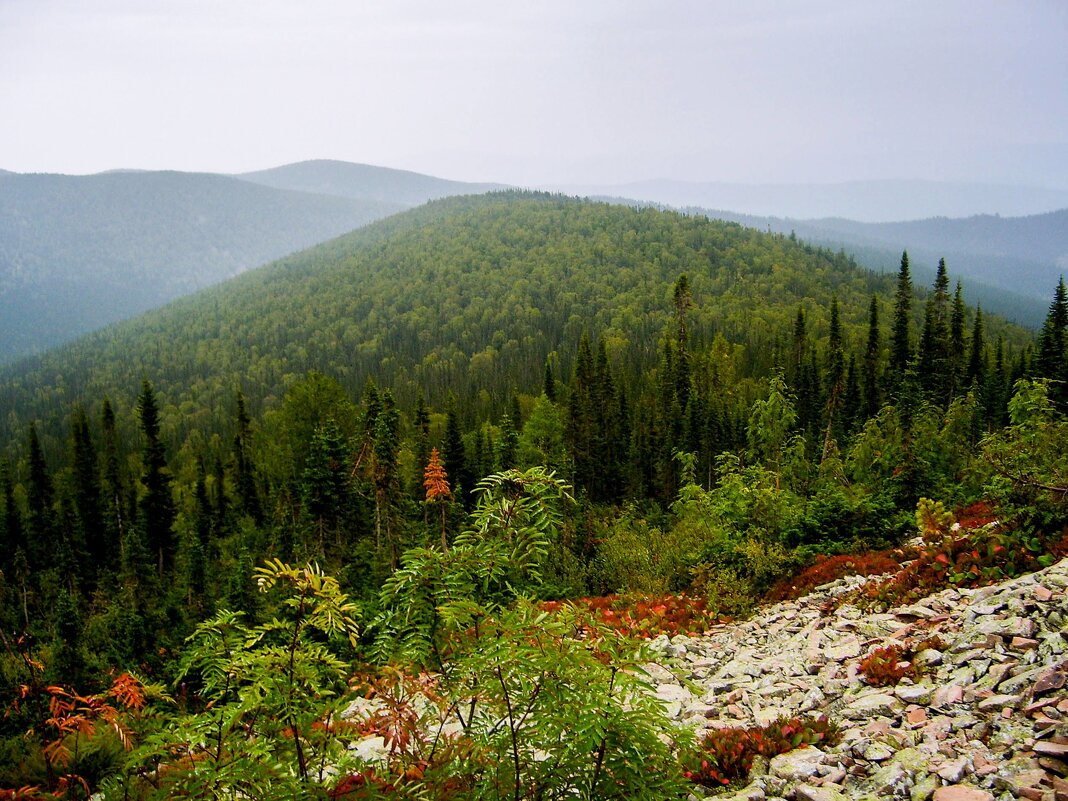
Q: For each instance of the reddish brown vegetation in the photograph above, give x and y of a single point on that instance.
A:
(825, 569)
(726, 755)
(645, 616)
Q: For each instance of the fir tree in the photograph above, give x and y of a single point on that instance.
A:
(1052, 359)
(157, 512)
(934, 353)
(244, 478)
(958, 346)
(86, 495)
(872, 396)
(900, 343)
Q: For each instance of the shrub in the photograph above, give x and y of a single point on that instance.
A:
(886, 666)
(726, 755)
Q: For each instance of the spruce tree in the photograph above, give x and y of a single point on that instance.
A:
(1052, 360)
(244, 478)
(114, 491)
(872, 397)
(957, 343)
(40, 520)
(86, 495)
(934, 353)
(156, 509)
(976, 372)
(900, 343)
(835, 380)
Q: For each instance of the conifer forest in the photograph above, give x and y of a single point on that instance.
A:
(400, 468)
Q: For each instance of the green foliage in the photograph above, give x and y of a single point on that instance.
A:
(1028, 460)
(435, 595)
(260, 696)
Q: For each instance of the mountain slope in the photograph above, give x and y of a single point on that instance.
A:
(464, 296)
(363, 181)
(78, 252)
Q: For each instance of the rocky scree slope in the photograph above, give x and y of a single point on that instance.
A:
(984, 716)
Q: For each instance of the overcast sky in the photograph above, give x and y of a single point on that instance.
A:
(579, 91)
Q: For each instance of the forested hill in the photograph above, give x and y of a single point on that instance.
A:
(79, 252)
(363, 182)
(464, 297)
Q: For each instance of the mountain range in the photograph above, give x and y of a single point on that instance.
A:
(80, 252)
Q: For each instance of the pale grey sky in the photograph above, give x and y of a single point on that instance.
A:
(575, 91)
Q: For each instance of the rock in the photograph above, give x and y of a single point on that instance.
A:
(801, 763)
(840, 651)
(869, 706)
(1047, 681)
(370, 749)
(913, 693)
(954, 770)
(1007, 627)
(924, 789)
(997, 702)
(658, 674)
(891, 781)
(1055, 750)
(928, 657)
(806, 792)
(961, 792)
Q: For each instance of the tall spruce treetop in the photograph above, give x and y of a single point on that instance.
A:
(900, 345)
(157, 504)
(934, 353)
(872, 399)
(976, 372)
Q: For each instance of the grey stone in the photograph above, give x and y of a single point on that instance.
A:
(869, 706)
(801, 763)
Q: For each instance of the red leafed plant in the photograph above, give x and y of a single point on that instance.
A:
(726, 755)
(825, 569)
(886, 666)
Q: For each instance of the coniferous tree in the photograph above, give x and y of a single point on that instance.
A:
(835, 380)
(975, 375)
(872, 350)
(508, 444)
(900, 343)
(683, 302)
(386, 480)
(86, 495)
(40, 520)
(549, 380)
(579, 431)
(934, 352)
(156, 512)
(421, 423)
(324, 487)
(244, 477)
(13, 536)
(1052, 359)
(114, 491)
(852, 399)
(958, 345)
(454, 456)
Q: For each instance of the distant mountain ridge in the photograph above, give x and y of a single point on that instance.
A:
(364, 182)
(80, 252)
(865, 201)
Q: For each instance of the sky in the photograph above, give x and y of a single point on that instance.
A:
(546, 92)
